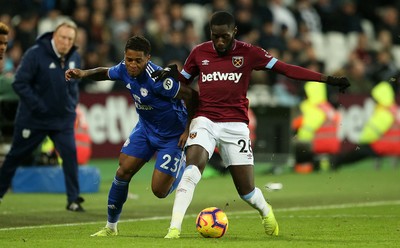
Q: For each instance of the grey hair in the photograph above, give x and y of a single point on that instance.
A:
(67, 23)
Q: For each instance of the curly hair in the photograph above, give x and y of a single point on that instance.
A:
(4, 29)
(138, 43)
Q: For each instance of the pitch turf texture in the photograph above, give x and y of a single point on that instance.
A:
(357, 206)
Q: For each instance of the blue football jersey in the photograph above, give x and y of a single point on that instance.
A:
(159, 111)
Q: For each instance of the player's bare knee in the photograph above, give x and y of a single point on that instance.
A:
(160, 193)
(124, 174)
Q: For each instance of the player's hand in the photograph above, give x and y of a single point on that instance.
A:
(341, 82)
(169, 71)
(182, 139)
(73, 73)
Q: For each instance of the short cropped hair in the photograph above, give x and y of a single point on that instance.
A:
(222, 18)
(4, 29)
(138, 43)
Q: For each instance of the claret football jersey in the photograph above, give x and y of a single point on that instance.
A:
(223, 81)
(159, 111)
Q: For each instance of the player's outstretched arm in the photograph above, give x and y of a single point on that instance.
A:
(97, 74)
(301, 73)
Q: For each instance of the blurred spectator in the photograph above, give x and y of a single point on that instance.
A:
(220, 5)
(100, 5)
(8, 98)
(326, 9)
(178, 22)
(268, 40)
(384, 40)
(14, 53)
(81, 41)
(369, 9)
(50, 21)
(247, 19)
(81, 16)
(346, 18)
(389, 20)
(308, 16)
(14, 57)
(98, 30)
(137, 14)
(283, 18)
(363, 50)
(158, 27)
(175, 48)
(383, 67)
(357, 75)
(15, 8)
(26, 29)
(120, 29)
(192, 38)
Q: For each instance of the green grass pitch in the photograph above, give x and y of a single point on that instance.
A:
(357, 206)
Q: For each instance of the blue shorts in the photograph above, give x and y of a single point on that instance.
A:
(141, 144)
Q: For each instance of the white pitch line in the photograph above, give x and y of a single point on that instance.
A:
(336, 206)
(292, 209)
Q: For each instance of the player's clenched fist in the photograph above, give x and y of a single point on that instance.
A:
(74, 73)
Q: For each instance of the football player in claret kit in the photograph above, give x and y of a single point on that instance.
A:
(162, 128)
(223, 66)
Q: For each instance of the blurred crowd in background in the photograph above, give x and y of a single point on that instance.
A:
(356, 38)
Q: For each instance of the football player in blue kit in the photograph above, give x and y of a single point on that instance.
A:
(164, 109)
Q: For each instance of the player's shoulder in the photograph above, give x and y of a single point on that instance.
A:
(208, 45)
(150, 68)
(250, 49)
(119, 67)
(245, 45)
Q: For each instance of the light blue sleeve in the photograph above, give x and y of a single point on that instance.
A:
(271, 63)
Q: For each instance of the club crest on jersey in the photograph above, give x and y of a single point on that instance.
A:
(237, 61)
(144, 92)
(168, 83)
(71, 64)
(193, 135)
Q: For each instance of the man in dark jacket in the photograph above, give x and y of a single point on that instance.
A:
(47, 107)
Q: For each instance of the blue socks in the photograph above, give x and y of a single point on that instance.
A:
(116, 198)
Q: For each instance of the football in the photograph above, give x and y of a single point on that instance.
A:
(212, 222)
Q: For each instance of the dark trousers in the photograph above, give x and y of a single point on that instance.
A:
(25, 141)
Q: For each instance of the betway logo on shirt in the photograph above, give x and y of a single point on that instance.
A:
(219, 76)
